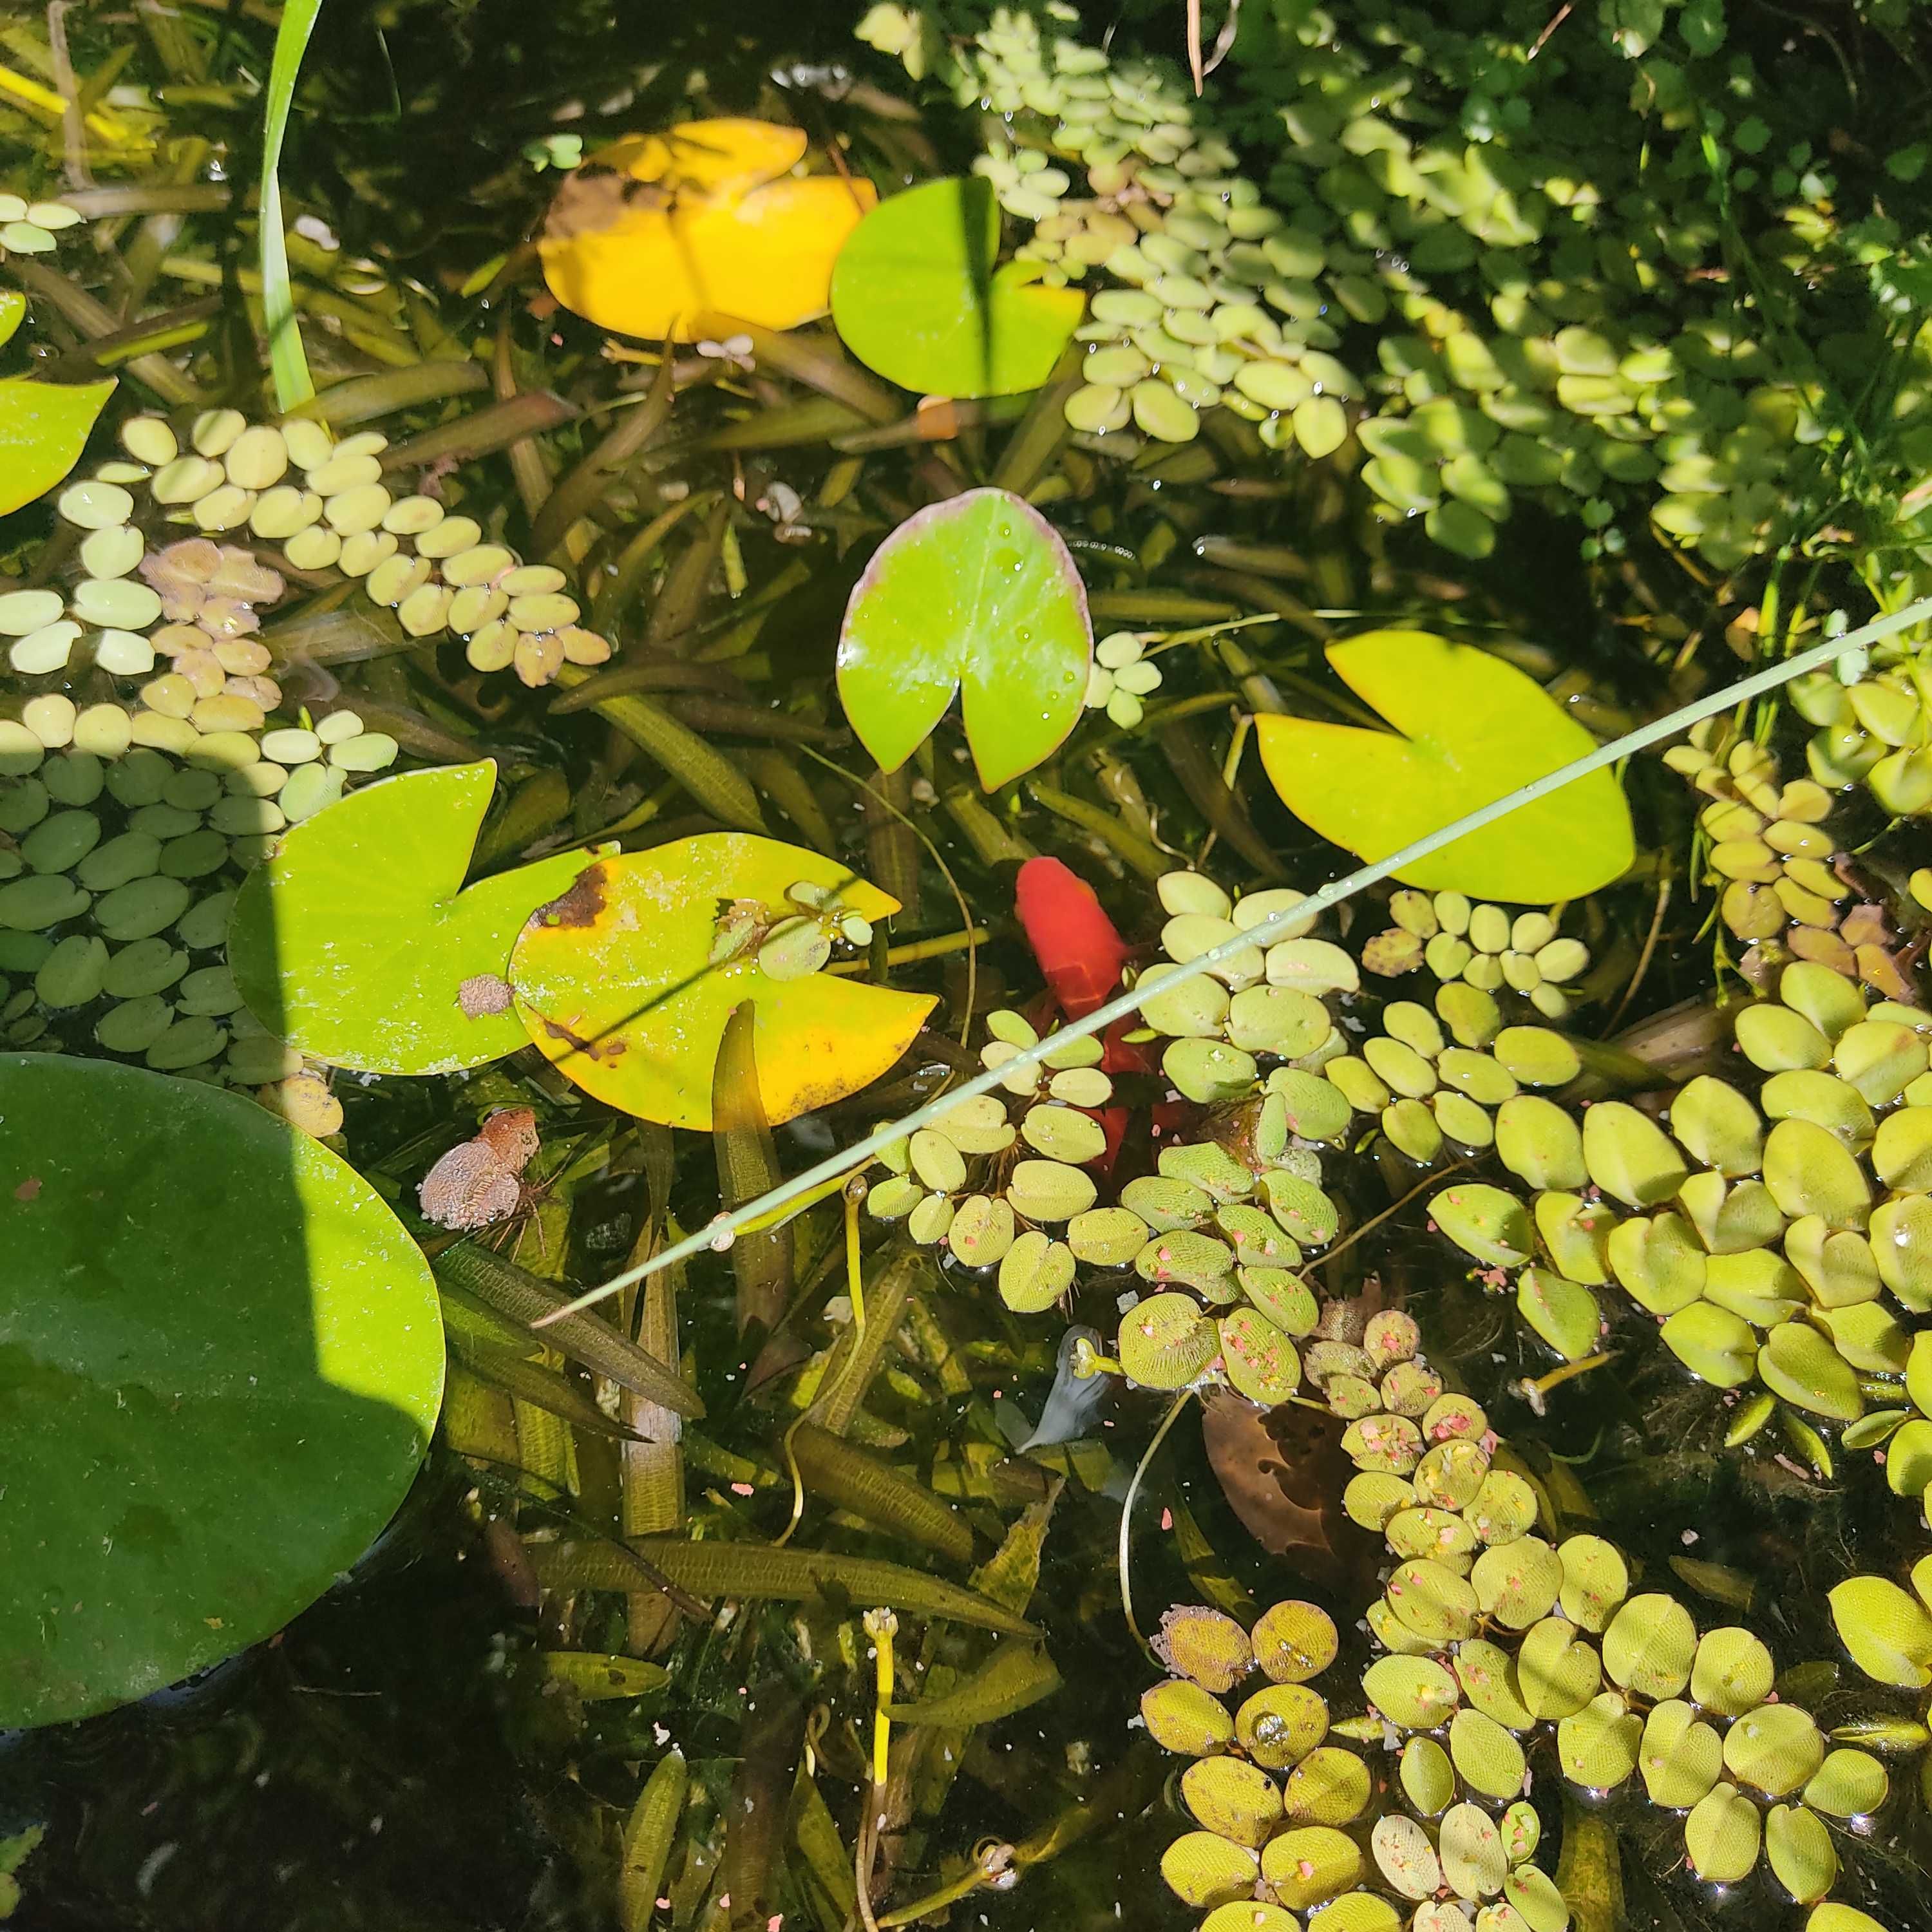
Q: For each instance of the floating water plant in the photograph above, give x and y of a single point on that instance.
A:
(1472, 727)
(149, 1535)
(657, 233)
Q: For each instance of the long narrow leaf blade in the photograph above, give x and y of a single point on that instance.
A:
(287, 362)
(758, 1570)
(523, 1298)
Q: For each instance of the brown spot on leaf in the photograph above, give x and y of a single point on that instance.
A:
(611, 1049)
(582, 905)
(592, 200)
(28, 1189)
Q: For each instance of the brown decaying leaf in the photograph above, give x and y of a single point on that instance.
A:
(1283, 1472)
(480, 1181)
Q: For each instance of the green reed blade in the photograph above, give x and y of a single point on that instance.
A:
(287, 362)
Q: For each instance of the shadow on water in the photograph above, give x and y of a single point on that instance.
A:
(220, 1360)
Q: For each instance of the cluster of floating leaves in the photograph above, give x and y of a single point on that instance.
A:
(117, 877)
(1875, 730)
(30, 227)
(1123, 676)
(1786, 1239)
(1282, 1808)
(1774, 860)
(1537, 318)
(1493, 1632)
(325, 504)
(1488, 946)
(1259, 1003)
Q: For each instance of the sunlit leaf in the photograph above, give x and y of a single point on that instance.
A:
(617, 985)
(977, 594)
(13, 312)
(1468, 728)
(353, 942)
(44, 427)
(224, 1363)
(663, 235)
(917, 296)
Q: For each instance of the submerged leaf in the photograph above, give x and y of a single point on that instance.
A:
(761, 1572)
(1472, 727)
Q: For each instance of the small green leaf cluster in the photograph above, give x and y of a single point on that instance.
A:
(1786, 1239)
(1222, 1224)
(325, 504)
(1773, 858)
(117, 877)
(1493, 1633)
(1451, 261)
(29, 228)
(1294, 1819)
(1488, 946)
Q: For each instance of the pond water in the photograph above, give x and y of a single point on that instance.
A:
(1599, 1417)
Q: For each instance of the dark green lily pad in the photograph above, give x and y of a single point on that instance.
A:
(222, 1361)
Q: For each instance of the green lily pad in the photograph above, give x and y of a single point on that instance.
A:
(43, 428)
(353, 941)
(976, 595)
(1469, 727)
(616, 983)
(224, 1360)
(916, 295)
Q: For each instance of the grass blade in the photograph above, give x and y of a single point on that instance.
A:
(758, 1570)
(514, 1292)
(288, 364)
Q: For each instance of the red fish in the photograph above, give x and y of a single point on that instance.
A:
(1079, 952)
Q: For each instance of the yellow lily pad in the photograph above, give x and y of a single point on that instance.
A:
(669, 236)
(1469, 726)
(616, 983)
